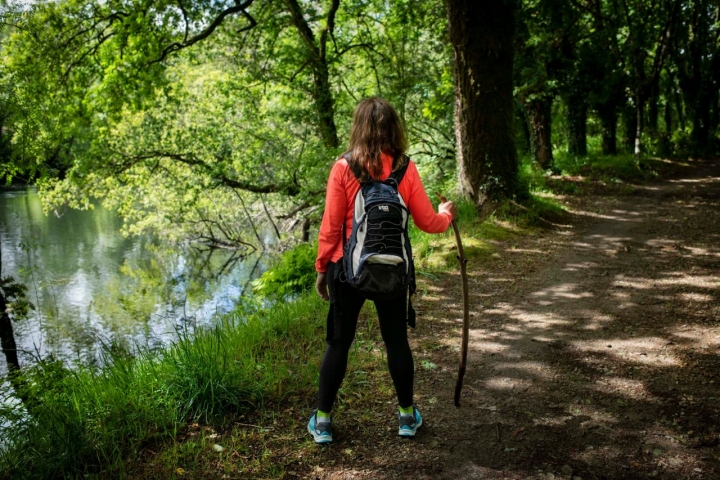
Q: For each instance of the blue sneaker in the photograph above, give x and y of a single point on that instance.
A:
(409, 423)
(320, 428)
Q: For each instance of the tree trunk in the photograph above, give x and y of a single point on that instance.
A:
(9, 347)
(577, 124)
(629, 128)
(608, 121)
(324, 105)
(668, 118)
(639, 124)
(652, 115)
(700, 128)
(7, 338)
(522, 119)
(679, 109)
(540, 121)
(482, 36)
(316, 53)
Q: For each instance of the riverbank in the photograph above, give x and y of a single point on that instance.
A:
(234, 400)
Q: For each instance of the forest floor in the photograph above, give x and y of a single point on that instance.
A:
(594, 352)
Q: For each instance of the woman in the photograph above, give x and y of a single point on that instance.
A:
(377, 148)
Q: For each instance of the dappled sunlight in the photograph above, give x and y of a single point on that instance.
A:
(625, 387)
(600, 216)
(695, 180)
(696, 297)
(701, 338)
(646, 351)
(480, 343)
(524, 250)
(565, 291)
(524, 316)
(537, 370)
(506, 383)
(611, 347)
(573, 267)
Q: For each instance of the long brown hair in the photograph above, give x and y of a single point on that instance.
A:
(376, 128)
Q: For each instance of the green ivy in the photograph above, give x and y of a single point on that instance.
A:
(293, 274)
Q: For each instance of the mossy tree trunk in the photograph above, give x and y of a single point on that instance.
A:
(577, 123)
(317, 58)
(629, 121)
(608, 122)
(540, 123)
(482, 35)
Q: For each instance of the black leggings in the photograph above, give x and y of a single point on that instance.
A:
(342, 323)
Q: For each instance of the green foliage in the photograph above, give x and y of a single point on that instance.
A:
(294, 273)
(15, 295)
(193, 145)
(85, 421)
(609, 167)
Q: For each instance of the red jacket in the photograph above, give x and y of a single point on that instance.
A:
(342, 187)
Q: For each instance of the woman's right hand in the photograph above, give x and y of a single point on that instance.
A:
(448, 207)
(321, 287)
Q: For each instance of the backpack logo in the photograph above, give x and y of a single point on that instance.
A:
(383, 208)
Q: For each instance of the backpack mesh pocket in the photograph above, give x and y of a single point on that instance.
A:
(382, 280)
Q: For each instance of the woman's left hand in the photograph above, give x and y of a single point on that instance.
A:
(321, 287)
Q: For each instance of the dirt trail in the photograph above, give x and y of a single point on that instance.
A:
(594, 351)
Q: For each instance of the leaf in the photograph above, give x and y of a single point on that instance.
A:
(428, 365)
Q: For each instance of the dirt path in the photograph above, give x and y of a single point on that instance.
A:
(594, 352)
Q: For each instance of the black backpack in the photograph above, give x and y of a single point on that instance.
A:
(377, 258)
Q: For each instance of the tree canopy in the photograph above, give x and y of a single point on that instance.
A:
(209, 120)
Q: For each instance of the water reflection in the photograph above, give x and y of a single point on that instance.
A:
(91, 285)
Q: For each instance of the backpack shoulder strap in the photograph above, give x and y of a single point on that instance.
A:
(347, 157)
(398, 175)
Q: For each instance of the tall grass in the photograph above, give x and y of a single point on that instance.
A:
(83, 421)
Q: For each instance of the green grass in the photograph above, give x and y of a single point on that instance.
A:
(85, 421)
(435, 252)
(624, 167)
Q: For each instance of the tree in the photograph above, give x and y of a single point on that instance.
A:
(697, 63)
(205, 120)
(481, 34)
(13, 303)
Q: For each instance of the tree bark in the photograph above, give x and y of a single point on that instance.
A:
(652, 114)
(482, 35)
(577, 124)
(9, 347)
(668, 116)
(7, 338)
(608, 121)
(629, 128)
(540, 122)
(317, 55)
(639, 124)
(522, 119)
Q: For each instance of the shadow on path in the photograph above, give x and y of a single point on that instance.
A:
(603, 361)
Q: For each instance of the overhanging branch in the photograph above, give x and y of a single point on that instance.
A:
(289, 189)
(177, 46)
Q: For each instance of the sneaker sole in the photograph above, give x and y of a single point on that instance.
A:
(319, 439)
(410, 433)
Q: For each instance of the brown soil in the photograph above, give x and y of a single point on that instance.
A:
(594, 352)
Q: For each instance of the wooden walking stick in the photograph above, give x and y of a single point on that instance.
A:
(466, 308)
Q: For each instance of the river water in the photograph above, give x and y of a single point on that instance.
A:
(92, 286)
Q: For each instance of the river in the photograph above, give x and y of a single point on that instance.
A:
(91, 286)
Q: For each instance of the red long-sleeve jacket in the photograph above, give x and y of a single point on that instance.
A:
(342, 187)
